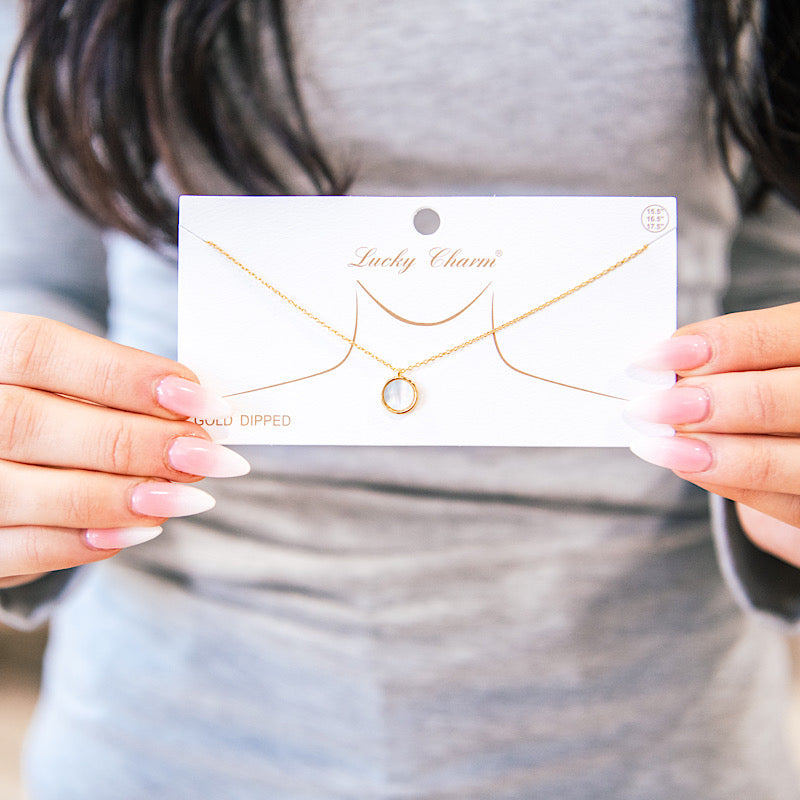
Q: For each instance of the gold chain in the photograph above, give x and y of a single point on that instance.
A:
(399, 371)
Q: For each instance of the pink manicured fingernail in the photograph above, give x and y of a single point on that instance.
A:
(676, 354)
(161, 499)
(189, 398)
(118, 538)
(676, 406)
(674, 452)
(197, 456)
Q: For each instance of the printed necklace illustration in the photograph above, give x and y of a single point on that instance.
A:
(399, 394)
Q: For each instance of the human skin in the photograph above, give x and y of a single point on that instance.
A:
(735, 409)
(96, 448)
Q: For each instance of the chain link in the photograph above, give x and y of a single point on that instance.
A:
(400, 370)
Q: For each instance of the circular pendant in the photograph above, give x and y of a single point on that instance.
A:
(399, 395)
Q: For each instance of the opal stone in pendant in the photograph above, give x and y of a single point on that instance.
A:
(399, 395)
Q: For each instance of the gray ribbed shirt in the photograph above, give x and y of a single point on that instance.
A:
(436, 622)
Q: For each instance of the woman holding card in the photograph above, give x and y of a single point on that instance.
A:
(398, 622)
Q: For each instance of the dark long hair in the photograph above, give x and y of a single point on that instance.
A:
(117, 90)
(751, 53)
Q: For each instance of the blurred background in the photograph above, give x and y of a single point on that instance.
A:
(20, 663)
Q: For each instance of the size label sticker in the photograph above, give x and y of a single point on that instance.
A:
(424, 321)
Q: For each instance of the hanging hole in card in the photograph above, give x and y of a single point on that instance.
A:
(426, 221)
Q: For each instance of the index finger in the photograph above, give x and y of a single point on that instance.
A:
(744, 341)
(40, 353)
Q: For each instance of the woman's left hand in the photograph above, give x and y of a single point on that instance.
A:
(736, 412)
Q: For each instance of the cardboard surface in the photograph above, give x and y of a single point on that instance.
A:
(359, 264)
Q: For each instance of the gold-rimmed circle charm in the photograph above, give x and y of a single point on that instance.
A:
(399, 395)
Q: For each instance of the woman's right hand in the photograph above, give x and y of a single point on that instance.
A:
(95, 447)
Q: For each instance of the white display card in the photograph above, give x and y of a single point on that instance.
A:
(409, 278)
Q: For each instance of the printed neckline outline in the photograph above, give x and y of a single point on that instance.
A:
(355, 331)
(406, 321)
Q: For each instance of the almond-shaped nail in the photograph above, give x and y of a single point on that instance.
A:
(677, 406)
(674, 452)
(118, 538)
(191, 399)
(676, 354)
(161, 499)
(197, 456)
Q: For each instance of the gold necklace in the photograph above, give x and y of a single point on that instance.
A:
(399, 394)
